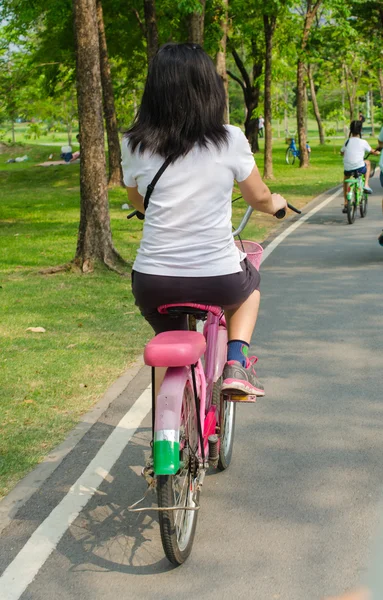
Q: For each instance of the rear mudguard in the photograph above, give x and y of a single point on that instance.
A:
(166, 442)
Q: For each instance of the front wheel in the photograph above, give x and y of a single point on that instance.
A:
(178, 525)
(290, 156)
(351, 206)
(363, 205)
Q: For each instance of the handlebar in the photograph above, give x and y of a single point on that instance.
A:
(137, 214)
(280, 214)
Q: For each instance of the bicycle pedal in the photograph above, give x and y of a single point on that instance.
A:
(245, 398)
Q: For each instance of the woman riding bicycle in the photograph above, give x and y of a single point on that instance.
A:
(187, 252)
(353, 153)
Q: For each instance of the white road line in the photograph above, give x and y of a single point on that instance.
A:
(279, 239)
(23, 569)
(25, 566)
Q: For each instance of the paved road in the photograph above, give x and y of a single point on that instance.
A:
(293, 517)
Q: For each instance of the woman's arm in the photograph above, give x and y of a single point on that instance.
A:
(258, 196)
(135, 199)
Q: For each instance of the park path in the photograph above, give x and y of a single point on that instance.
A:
(293, 517)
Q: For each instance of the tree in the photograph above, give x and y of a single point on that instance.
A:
(220, 58)
(310, 8)
(94, 236)
(269, 23)
(151, 29)
(114, 150)
(196, 22)
(314, 101)
(251, 87)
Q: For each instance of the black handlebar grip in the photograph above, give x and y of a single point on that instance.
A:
(280, 214)
(137, 214)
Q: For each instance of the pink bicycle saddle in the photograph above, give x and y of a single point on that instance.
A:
(175, 349)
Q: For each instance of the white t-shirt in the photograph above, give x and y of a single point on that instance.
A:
(187, 229)
(354, 152)
(261, 122)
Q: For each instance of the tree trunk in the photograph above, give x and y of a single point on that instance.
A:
(315, 105)
(380, 77)
(151, 28)
(13, 130)
(94, 236)
(69, 130)
(251, 132)
(351, 79)
(301, 117)
(114, 150)
(196, 25)
(372, 112)
(251, 92)
(221, 58)
(269, 23)
(312, 9)
(286, 117)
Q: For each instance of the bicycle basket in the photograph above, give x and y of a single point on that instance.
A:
(288, 140)
(252, 250)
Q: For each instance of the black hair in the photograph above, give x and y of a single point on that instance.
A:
(356, 128)
(182, 105)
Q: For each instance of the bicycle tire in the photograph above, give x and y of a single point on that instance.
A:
(227, 428)
(227, 411)
(363, 205)
(351, 207)
(178, 527)
(290, 156)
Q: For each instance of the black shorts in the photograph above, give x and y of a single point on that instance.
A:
(228, 291)
(360, 171)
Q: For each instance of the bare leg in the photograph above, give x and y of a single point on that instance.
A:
(241, 321)
(367, 176)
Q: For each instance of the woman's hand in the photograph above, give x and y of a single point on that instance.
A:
(278, 203)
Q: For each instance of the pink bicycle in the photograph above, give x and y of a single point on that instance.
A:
(193, 422)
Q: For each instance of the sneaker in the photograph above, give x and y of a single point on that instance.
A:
(242, 379)
(344, 210)
(380, 240)
(367, 189)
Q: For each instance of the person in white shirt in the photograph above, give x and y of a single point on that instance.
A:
(353, 153)
(187, 252)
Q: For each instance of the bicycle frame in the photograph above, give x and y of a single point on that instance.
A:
(168, 404)
(354, 182)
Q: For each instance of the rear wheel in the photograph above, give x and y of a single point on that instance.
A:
(180, 490)
(290, 156)
(363, 205)
(351, 206)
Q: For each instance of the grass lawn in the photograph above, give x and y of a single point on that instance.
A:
(93, 330)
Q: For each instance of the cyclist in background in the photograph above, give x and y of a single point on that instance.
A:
(187, 252)
(353, 153)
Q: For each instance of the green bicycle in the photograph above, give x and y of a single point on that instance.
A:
(356, 196)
